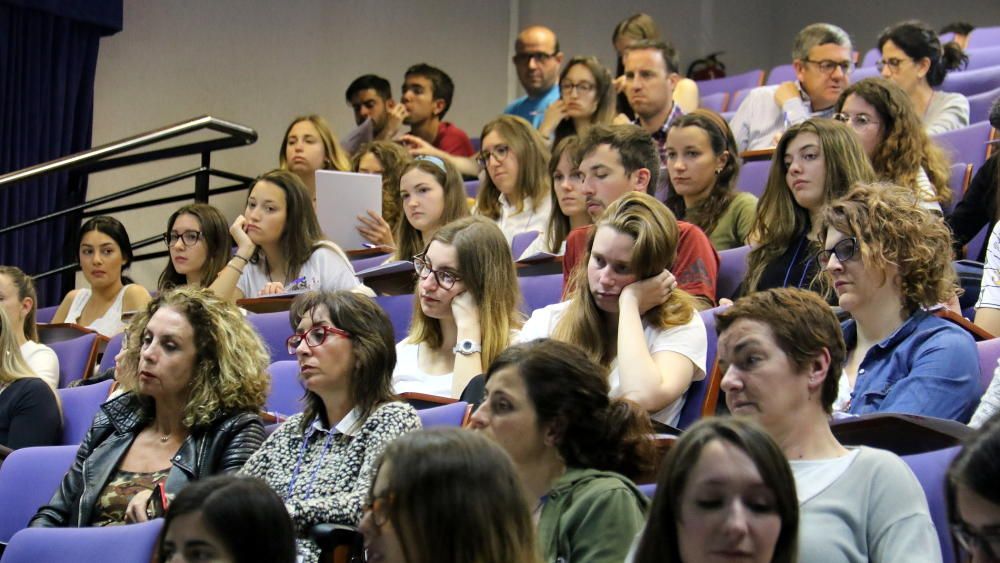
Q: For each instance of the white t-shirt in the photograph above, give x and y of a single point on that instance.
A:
(989, 291)
(327, 269)
(108, 324)
(928, 195)
(688, 340)
(43, 361)
(534, 216)
(407, 377)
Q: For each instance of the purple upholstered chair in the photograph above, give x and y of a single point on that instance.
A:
(871, 57)
(129, 544)
(984, 57)
(472, 188)
(454, 414)
(76, 357)
(274, 329)
(958, 181)
(750, 79)
(781, 73)
(737, 99)
(110, 351)
(28, 478)
(930, 469)
(696, 393)
(984, 37)
(45, 314)
(715, 102)
(368, 262)
(979, 104)
(975, 246)
(989, 353)
(285, 397)
(400, 309)
(753, 177)
(649, 489)
(521, 242)
(863, 72)
(970, 82)
(732, 270)
(967, 144)
(540, 291)
(79, 405)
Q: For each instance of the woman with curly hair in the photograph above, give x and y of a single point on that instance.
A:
(575, 449)
(814, 163)
(702, 164)
(888, 260)
(195, 378)
(321, 461)
(624, 309)
(893, 138)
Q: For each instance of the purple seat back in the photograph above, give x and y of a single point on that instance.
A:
(76, 357)
(521, 242)
(368, 262)
(984, 37)
(274, 329)
(753, 177)
(446, 415)
(871, 57)
(781, 73)
(737, 99)
(863, 72)
(540, 291)
(956, 181)
(732, 270)
(110, 351)
(979, 104)
(989, 354)
(79, 405)
(984, 57)
(930, 469)
(694, 398)
(28, 479)
(285, 397)
(715, 102)
(749, 79)
(129, 544)
(45, 314)
(971, 82)
(472, 188)
(975, 246)
(400, 309)
(649, 489)
(967, 144)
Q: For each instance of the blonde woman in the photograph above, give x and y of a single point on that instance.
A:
(310, 145)
(465, 309)
(18, 299)
(626, 312)
(29, 412)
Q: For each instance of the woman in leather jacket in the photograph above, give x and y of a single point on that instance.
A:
(195, 376)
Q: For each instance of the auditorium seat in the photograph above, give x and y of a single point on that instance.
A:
(967, 144)
(871, 57)
(400, 309)
(110, 351)
(45, 314)
(521, 242)
(701, 396)
(989, 354)
(753, 177)
(715, 102)
(861, 73)
(730, 84)
(285, 397)
(984, 57)
(781, 73)
(454, 414)
(472, 188)
(737, 99)
(540, 291)
(974, 248)
(958, 181)
(930, 469)
(274, 329)
(984, 37)
(79, 405)
(980, 104)
(28, 479)
(77, 357)
(128, 544)
(732, 270)
(970, 82)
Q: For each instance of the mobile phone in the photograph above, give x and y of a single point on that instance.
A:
(158, 502)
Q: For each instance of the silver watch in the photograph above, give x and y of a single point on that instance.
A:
(467, 348)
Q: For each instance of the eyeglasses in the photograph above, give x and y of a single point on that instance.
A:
(445, 279)
(581, 87)
(314, 337)
(498, 152)
(970, 539)
(844, 250)
(827, 66)
(539, 58)
(189, 238)
(859, 120)
(378, 507)
(892, 63)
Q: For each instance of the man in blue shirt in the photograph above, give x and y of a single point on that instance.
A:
(537, 59)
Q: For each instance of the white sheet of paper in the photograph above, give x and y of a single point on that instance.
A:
(340, 198)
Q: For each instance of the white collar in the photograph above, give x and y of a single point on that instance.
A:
(346, 426)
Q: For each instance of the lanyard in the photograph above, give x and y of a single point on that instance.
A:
(298, 463)
(795, 259)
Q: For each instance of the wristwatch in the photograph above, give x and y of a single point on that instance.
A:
(467, 348)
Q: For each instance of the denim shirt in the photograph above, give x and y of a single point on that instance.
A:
(928, 367)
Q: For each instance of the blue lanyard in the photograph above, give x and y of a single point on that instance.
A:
(327, 444)
(795, 259)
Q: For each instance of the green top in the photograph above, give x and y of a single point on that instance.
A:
(590, 516)
(733, 227)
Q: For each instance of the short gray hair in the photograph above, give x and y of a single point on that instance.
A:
(816, 34)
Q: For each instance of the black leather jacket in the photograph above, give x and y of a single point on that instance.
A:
(221, 446)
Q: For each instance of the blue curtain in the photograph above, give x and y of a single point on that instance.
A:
(48, 57)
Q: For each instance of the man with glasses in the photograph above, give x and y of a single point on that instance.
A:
(822, 62)
(537, 60)
(427, 93)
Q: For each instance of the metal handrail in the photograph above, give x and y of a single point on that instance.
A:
(238, 135)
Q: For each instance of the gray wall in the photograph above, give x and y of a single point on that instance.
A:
(261, 62)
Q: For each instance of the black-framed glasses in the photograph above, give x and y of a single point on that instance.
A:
(499, 152)
(378, 507)
(893, 63)
(540, 58)
(189, 238)
(859, 120)
(313, 337)
(970, 540)
(844, 250)
(444, 278)
(566, 87)
(826, 66)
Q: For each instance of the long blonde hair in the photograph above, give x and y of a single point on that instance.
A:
(486, 267)
(527, 144)
(336, 158)
(12, 364)
(656, 235)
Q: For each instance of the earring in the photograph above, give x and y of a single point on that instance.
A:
(718, 171)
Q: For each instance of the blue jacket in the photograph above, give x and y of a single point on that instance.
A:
(929, 367)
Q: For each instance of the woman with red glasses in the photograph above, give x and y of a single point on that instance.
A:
(320, 461)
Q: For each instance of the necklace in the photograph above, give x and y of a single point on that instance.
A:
(163, 439)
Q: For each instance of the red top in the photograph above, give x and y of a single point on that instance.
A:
(453, 140)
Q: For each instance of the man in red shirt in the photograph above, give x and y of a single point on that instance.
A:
(427, 93)
(615, 160)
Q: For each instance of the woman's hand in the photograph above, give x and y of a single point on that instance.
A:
(554, 114)
(650, 292)
(466, 312)
(619, 84)
(272, 288)
(136, 510)
(375, 229)
(244, 246)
